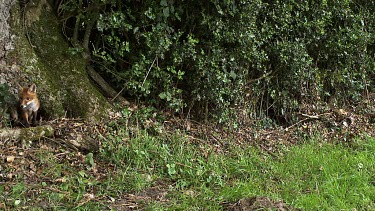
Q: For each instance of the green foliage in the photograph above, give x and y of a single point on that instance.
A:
(207, 55)
(7, 102)
(5, 96)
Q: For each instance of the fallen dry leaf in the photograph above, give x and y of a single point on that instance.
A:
(10, 159)
(61, 180)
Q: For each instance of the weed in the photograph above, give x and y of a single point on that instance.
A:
(172, 172)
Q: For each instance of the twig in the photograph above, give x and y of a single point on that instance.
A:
(303, 120)
(260, 78)
(180, 164)
(118, 94)
(311, 117)
(57, 190)
(149, 69)
(197, 139)
(269, 151)
(84, 202)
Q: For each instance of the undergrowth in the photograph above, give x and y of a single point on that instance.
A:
(169, 171)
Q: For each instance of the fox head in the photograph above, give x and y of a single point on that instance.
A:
(27, 95)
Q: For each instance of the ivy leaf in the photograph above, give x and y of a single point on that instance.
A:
(233, 75)
(164, 3)
(166, 12)
(162, 95)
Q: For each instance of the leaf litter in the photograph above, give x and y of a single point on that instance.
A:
(76, 143)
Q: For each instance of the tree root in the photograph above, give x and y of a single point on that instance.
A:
(30, 134)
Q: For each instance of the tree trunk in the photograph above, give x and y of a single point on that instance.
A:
(33, 50)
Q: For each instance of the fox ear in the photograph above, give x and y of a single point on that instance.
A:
(32, 88)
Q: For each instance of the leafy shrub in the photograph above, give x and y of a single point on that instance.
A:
(210, 56)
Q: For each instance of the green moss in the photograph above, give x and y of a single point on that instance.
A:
(81, 97)
(63, 84)
(33, 71)
(35, 133)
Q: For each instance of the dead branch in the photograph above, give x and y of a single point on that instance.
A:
(309, 117)
(107, 89)
(30, 134)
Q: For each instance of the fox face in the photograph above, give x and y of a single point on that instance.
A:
(28, 98)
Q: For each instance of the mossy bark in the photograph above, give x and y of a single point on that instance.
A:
(43, 54)
(27, 134)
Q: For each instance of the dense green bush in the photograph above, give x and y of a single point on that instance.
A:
(210, 56)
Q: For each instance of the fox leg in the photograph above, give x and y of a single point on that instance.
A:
(34, 118)
(25, 118)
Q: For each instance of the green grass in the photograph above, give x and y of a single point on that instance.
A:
(311, 176)
(330, 176)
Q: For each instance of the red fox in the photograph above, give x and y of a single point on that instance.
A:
(29, 105)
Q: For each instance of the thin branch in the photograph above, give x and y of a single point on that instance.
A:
(303, 120)
(149, 69)
(118, 94)
(260, 78)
